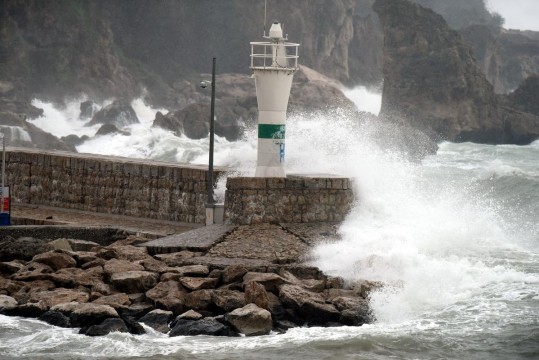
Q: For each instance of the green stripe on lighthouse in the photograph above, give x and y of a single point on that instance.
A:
(271, 131)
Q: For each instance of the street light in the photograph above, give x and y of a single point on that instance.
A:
(204, 84)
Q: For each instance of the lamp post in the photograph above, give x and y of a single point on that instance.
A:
(204, 84)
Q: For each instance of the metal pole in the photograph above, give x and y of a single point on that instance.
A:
(3, 169)
(211, 200)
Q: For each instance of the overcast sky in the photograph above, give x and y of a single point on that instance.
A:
(518, 14)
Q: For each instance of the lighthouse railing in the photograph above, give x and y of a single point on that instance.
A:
(271, 55)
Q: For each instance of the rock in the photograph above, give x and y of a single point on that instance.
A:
(106, 327)
(55, 318)
(115, 266)
(87, 109)
(82, 245)
(190, 315)
(526, 97)
(74, 140)
(22, 249)
(59, 296)
(56, 260)
(192, 121)
(295, 296)
(22, 291)
(270, 281)
(86, 314)
(116, 301)
(169, 295)
(308, 284)
(158, 320)
(134, 327)
(32, 310)
(10, 267)
(33, 271)
(106, 253)
(8, 287)
(234, 273)
(135, 311)
(193, 270)
(432, 82)
(255, 293)
(134, 281)
(355, 317)
(107, 129)
(7, 303)
(177, 258)
(60, 244)
(98, 262)
(207, 326)
(364, 287)
(334, 282)
(228, 300)
(72, 277)
(199, 299)
(154, 265)
(250, 320)
(131, 253)
(119, 113)
(317, 313)
(193, 283)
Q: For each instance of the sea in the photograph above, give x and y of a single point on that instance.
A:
(454, 238)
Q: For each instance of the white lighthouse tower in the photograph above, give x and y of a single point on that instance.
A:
(274, 63)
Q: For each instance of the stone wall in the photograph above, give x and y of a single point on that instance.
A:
(106, 184)
(295, 199)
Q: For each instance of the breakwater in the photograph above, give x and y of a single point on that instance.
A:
(106, 184)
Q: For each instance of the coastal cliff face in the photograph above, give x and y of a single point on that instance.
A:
(433, 83)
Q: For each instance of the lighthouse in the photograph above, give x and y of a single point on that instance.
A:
(274, 63)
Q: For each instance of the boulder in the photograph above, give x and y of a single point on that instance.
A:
(317, 313)
(10, 267)
(196, 283)
(192, 121)
(177, 258)
(119, 113)
(295, 296)
(59, 296)
(56, 260)
(199, 299)
(87, 109)
(22, 249)
(7, 303)
(86, 314)
(82, 245)
(255, 293)
(115, 266)
(190, 315)
(32, 310)
(228, 300)
(526, 97)
(74, 140)
(154, 265)
(250, 320)
(73, 277)
(55, 318)
(107, 129)
(131, 253)
(158, 320)
(116, 301)
(234, 273)
(206, 326)
(270, 281)
(134, 281)
(106, 327)
(60, 244)
(169, 295)
(33, 271)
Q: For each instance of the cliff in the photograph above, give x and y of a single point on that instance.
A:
(431, 81)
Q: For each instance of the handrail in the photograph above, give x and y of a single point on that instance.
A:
(275, 55)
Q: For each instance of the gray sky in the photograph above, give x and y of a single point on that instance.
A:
(518, 14)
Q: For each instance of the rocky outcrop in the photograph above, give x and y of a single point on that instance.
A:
(119, 113)
(526, 97)
(507, 57)
(20, 132)
(433, 83)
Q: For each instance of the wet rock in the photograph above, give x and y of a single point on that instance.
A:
(295, 296)
(106, 327)
(135, 311)
(308, 284)
(192, 121)
(317, 313)
(87, 109)
(194, 283)
(133, 326)
(119, 113)
(270, 281)
(158, 320)
(255, 293)
(7, 303)
(250, 320)
(206, 326)
(56, 260)
(32, 310)
(228, 300)
(86, 314)
(169, 295)
(74, 140)
(134, 281)
(107, 129)
(55, 318)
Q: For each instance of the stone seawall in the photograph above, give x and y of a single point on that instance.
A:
(106, 184)
(295, 199)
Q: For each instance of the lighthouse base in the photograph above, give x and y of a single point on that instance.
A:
(270, 172)
(294, 199)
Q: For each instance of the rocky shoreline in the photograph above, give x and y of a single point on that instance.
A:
(100, 289)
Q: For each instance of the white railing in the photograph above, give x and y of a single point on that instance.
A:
(270, 55)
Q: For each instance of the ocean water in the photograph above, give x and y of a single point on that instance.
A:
(455, 239)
